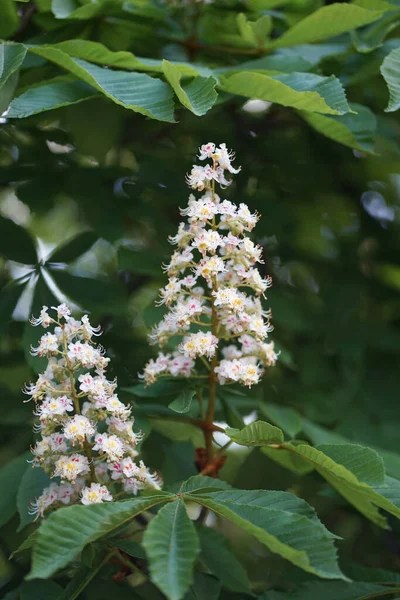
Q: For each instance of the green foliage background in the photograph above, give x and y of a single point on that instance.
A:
(92, 164)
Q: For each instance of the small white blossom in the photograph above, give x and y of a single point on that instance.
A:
(95, 494)
(48, 345)
(63, 312)
(78, 428)
(69, 467)
(44, 318)
(199, 344)
(111, 445)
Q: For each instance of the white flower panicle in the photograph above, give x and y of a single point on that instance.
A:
(86, 432)
(214, 289)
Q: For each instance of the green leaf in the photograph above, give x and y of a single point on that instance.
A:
(84, 575)
(98, 53)
(45, 590)
(9, 18)
(140, 262)
(11, 58)
(129, 547)
(73, 248)
(99, 294)
(304, 91)
(9, 296)
(390, 70)
(353, 130)
(16, 243)
(218, 556)
(134, 91)
(256, 434)
(354, 471)
(198, 96)
(205, 587)
(80, 525)
(231, 414)
(200, 483)
(334, 590)
(183, 402)
(26, 544)
(172, 546)
(326, 22)
(49, 97)
(32, 485)
(10, 478)
(287, 525)
(254, 32)
(285, 417)
(63, 8)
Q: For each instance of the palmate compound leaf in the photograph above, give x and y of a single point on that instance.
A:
(287, 525)
(172, 545)
(198, 95)
(326, 22)
(304, 91)
(356, 472)
(67, 531)
(135, 91)
(390, 70)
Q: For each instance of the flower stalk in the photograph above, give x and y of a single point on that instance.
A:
(222, 328)
(87, 444)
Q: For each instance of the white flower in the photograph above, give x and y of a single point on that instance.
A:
(83, 353)
(207, 241)
(129, 468)
(114, 406)
(196, 178)
(258, 283)
(200, 210)
(155, 367)
(95, 494)
(210, 267)
(246, 373)
(48, 497)
(124, 430)
(224, 158)
(54, 406)
(69, 467)
(78, 429)
(230, 352)
(247, 219)
(199, 344)
(206, 151)
(88, 330)
(44, 318)
(171, 291)
(63, 312)
(229, 297)
(268, 353)
(111, 445)
(48, 344)
(180, 365)
(250, 251)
